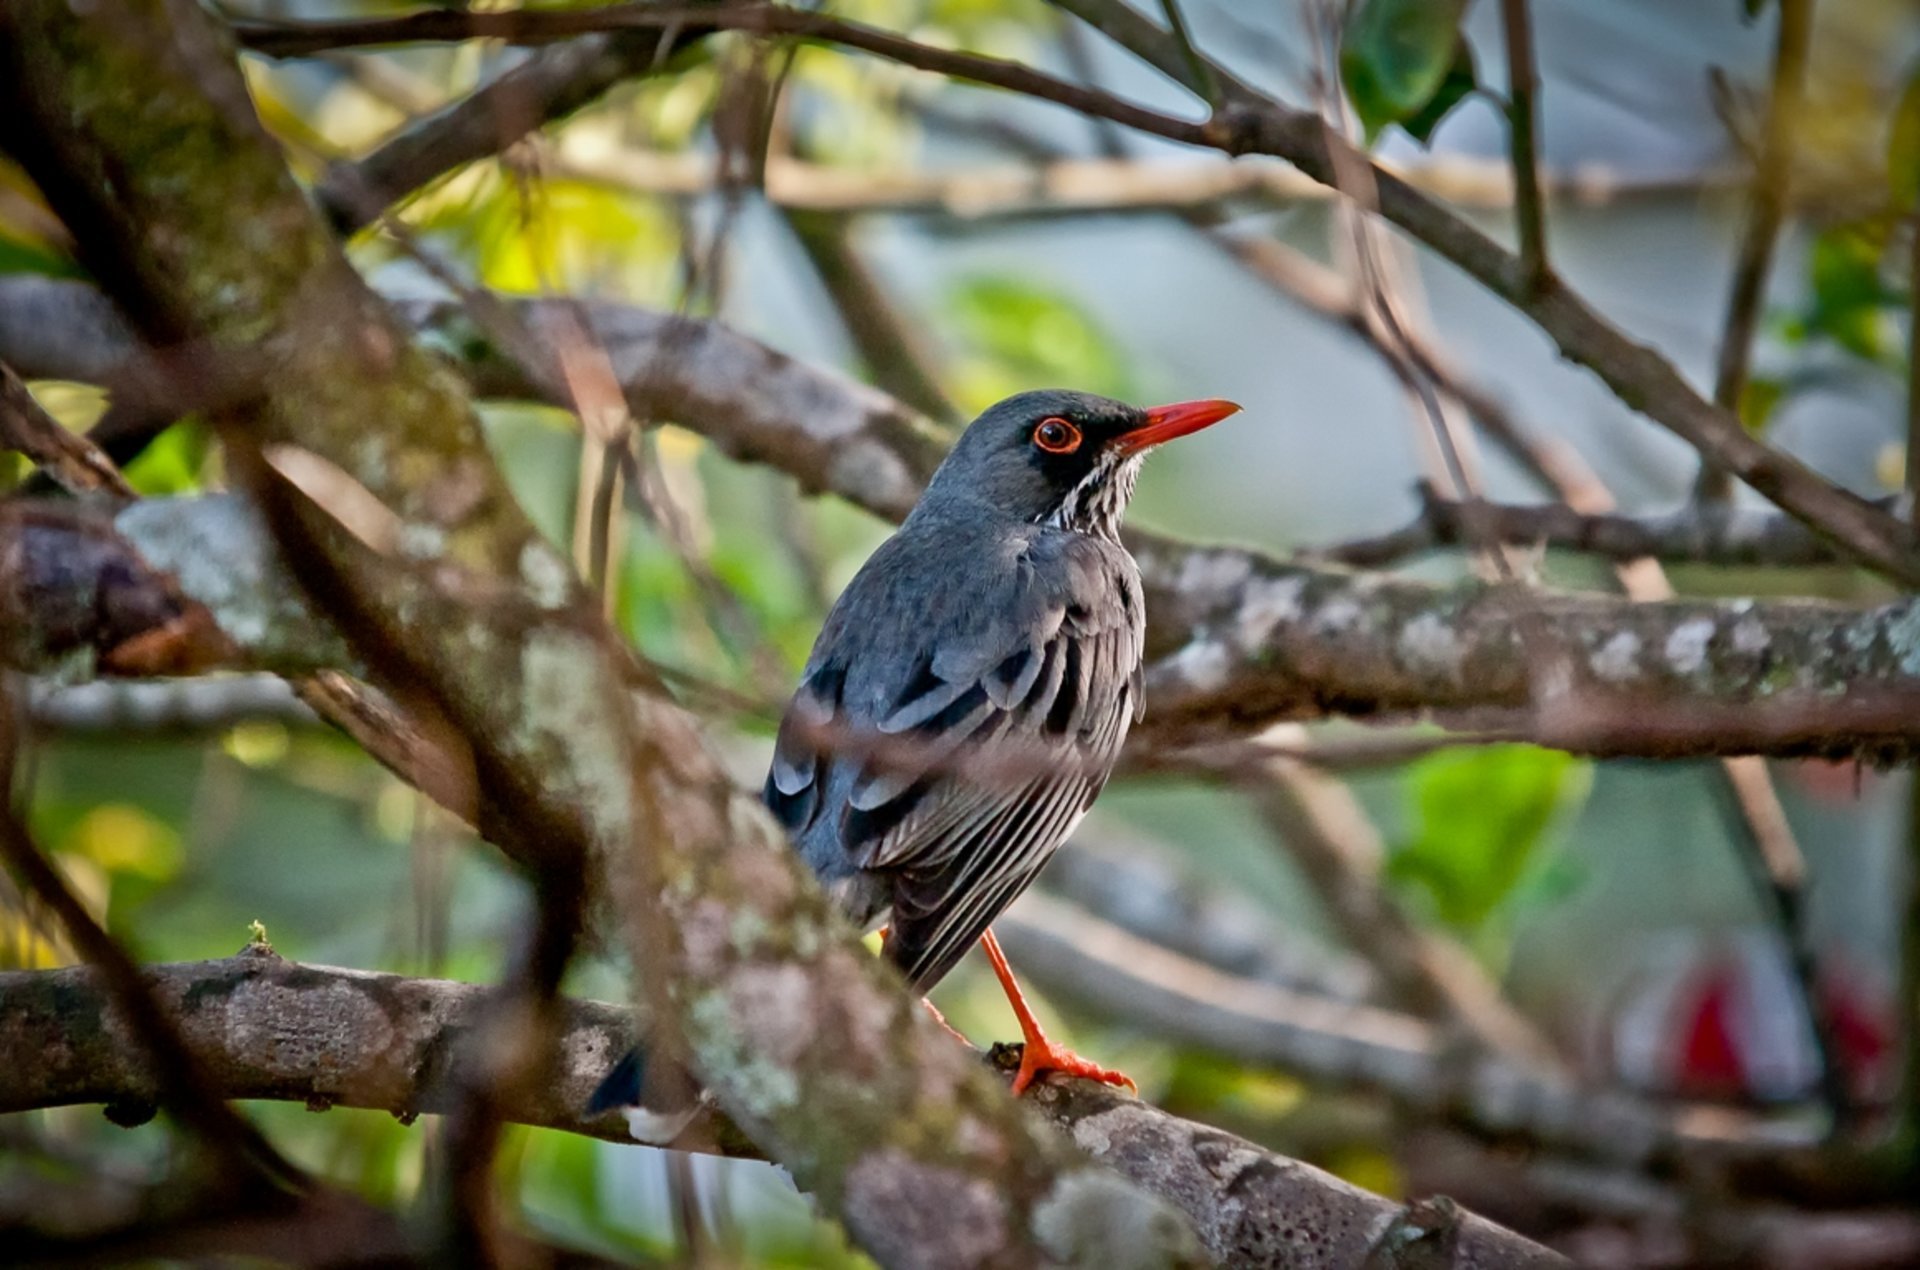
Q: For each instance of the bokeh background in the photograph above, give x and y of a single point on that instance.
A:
(1612, 899)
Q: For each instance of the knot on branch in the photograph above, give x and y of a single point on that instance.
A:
(1234, 127)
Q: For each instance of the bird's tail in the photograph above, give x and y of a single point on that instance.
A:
(621, 1088)
(655, 1109)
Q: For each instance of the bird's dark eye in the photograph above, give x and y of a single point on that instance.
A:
(1056, 436)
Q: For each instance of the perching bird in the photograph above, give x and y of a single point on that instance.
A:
(970, 691)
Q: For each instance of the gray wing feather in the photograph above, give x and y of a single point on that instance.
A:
(1040, 668)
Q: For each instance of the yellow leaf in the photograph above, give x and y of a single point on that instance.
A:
(117, 838)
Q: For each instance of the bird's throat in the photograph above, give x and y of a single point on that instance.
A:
(1099, 501)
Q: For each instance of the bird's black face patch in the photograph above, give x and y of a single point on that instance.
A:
(1065, 447)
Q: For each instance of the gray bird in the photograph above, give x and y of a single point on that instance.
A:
(971, 689)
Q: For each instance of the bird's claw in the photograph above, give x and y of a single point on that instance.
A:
(1042, 1057)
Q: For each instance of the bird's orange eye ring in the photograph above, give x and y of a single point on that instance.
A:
(1056, 436)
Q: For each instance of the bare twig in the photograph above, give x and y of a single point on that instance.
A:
(1765, 209)
(1716, 535)
(1523, 117)
(1200, 73)
(1054, 185)
(549, 85)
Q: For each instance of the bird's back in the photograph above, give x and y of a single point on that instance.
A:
(962, 708)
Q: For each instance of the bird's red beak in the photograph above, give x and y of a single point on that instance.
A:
(1164, 423)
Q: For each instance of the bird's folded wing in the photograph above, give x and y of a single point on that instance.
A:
(959, 779)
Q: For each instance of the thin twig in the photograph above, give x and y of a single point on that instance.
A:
(1765, 210)
(1698, 534)
(1201, 79)
(1522, 121)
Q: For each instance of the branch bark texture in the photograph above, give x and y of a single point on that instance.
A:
(1242, 638)
(267, 1028)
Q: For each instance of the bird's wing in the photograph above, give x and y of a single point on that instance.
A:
(959, 776)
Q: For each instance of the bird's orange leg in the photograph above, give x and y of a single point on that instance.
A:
(1040, 1055)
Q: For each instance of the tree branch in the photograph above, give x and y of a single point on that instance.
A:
(354, 1039)
(1734, 537)
(1766, 207)
(550, 85)
(1523, 118)
(1241, 639)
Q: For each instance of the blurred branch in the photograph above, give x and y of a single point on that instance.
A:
(1766, 207)
(136, 707)
(1727, 536)
(549, 85)
(896, 356)
(76, 595)
(248, 1163)
(1328, 835)
(1060, 185)
(355, 1039)
(1523, 119)
(1148, 893)
(1079, 958)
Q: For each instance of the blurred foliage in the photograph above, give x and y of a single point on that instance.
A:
(1481, 828)
(180, 842)
(1405, 62)
(1016, 334)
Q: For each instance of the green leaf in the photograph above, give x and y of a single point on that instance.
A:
(1903, 147)
(21, 255)
(1758, 400)
(1461, 82)
(1395, 56)
(1481, 816)
(1849, 295)
(1020, 335)
(1754, 8)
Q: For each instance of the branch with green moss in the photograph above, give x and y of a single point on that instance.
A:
(137, 127)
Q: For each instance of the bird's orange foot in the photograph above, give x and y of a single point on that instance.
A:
(1039, 1056)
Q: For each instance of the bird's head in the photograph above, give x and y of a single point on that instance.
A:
(1063, 458)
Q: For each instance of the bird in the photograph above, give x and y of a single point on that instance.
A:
(970, 691)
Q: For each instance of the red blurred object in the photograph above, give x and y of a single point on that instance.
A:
(1722, 1020)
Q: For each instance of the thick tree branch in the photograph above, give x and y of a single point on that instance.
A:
(1243, 639)
(353, 1039)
